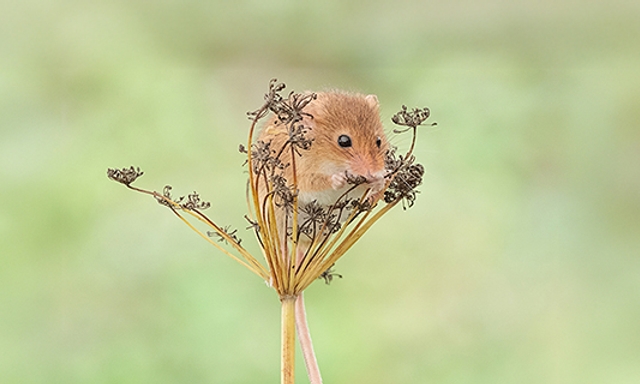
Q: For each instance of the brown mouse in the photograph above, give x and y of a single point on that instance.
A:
(347, 140)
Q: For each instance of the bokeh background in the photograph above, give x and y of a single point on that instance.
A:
(519, 262)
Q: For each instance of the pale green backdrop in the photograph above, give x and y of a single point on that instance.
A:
(518, 264)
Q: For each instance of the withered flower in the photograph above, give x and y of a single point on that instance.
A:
(314, 236)
(124, 176)
(410, 119)
(193, 202)
(230, 233)
(403, 186)
(298, 139)
(329, 275)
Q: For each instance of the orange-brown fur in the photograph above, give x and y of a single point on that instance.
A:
(334, 114)
(322, 169)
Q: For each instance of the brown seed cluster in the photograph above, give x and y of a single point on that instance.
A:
(327, 230)
(124, 176)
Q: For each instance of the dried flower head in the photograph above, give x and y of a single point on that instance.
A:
(312, 237)
(288, 110)
(263, 158)
(166, 198)
(410, 119)
(124, 176)
(230, 234)
(194, 202)
(298, 138)
(403, 185)
(327, 231)
(272, 98)
(329, 275)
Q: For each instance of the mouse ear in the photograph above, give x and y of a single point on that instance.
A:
(372, 100)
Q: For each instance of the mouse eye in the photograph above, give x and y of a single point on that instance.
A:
(344, 141)
(378, 142)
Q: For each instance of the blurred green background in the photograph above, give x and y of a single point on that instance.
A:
(518, 264)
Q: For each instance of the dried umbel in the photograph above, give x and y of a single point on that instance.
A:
(300, 242)
(124, 176)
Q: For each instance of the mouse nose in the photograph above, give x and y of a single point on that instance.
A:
(370, 177)
(369, 168)
(375, 180)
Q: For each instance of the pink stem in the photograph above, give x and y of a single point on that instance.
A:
(313, 371)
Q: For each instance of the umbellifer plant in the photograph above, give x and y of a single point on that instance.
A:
(329, 231)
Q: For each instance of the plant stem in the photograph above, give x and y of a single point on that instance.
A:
(313, 371)
(288, 340)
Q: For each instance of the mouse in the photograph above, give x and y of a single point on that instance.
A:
(347, 141)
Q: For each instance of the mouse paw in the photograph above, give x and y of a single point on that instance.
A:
(338, 180)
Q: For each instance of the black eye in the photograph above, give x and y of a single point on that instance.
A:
(378, 142)
(344, 141)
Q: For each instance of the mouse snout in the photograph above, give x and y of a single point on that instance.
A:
(375, 180)
(374, 177)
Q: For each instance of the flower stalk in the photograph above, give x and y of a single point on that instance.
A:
(311, 363)
(288, 340)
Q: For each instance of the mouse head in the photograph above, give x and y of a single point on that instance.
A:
(348, 136)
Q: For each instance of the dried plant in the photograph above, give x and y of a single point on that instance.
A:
(315, 236)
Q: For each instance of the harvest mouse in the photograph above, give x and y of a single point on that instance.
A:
(348, 140)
